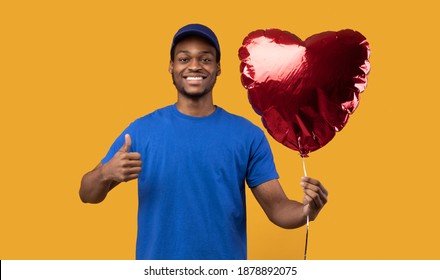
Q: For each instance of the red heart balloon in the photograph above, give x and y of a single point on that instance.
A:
(304, 90)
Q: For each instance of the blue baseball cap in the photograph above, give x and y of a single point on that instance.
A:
(199, 30)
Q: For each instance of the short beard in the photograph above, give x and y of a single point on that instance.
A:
(194, 96)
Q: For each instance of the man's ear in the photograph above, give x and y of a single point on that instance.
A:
(170, 67)
(219, 69)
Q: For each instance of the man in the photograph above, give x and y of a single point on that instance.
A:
(192, 160)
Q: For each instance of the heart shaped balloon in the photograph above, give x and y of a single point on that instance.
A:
(304, 90)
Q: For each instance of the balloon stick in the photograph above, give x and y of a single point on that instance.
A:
(304, 166)
(307, 221)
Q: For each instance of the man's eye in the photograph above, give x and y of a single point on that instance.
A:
(183, 59)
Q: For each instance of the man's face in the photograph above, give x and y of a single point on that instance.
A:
(194, 68)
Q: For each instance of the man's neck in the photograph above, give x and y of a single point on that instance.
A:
(201, 107)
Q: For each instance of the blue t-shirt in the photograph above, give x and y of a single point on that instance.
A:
(192, 185)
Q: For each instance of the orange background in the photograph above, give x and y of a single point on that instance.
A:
(75, 73)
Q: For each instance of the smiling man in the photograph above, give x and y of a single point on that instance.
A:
(192, 160)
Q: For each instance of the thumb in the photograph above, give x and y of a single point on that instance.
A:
(127, 144)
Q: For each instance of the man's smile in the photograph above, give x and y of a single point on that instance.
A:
(194, 78)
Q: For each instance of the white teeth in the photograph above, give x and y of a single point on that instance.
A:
(194, 78)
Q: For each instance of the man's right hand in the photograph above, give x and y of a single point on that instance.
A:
(124, 166)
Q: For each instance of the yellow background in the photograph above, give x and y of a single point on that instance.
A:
(75, 73)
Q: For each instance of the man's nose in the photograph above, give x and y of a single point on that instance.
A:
(195, 65)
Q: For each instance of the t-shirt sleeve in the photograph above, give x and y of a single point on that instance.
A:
(261, 167)
(117, 144)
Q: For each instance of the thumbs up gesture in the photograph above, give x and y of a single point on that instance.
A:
(124, 166)
(126, 147)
